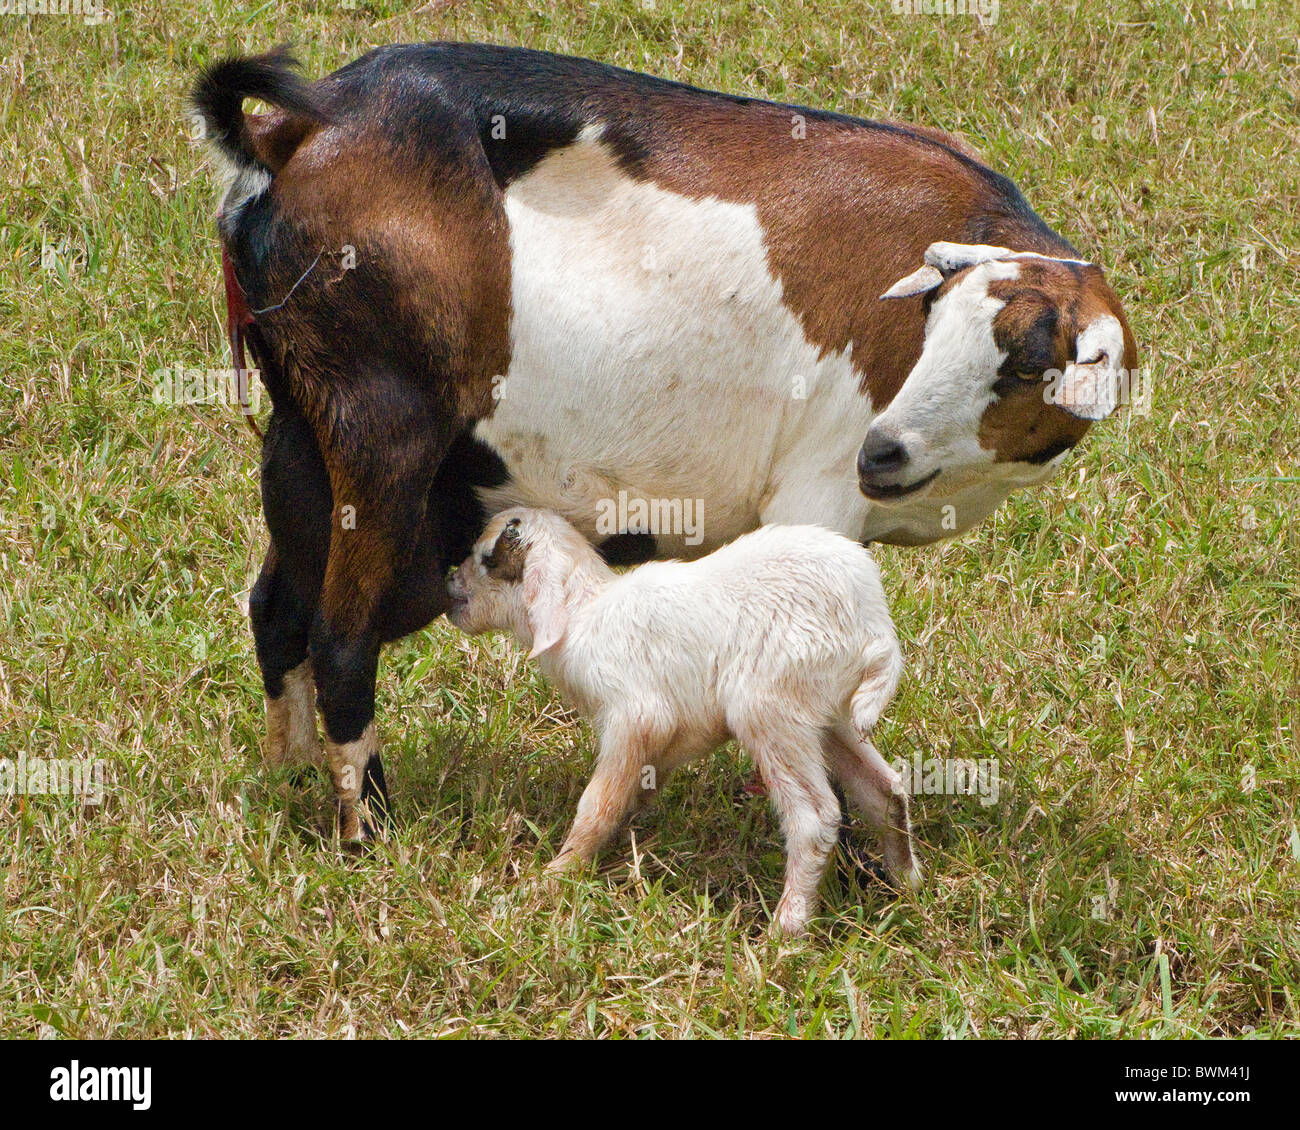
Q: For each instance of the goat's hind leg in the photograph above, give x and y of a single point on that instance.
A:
(787, 754)
(876, 790)
(296, 503)
(280, 624)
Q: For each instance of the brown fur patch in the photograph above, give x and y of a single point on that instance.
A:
(438, 233)
(506, 561)
(1023, 428)
(274, 136)
(846, 211)
(390, 356)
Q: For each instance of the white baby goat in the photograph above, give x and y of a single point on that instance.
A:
(781, 639)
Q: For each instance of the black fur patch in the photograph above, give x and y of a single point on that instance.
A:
(628, 549)
(1031, 346)
(374, 791)
(1051, 451)
(345, 680)
(541, 101)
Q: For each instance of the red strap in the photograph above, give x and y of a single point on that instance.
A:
(238, 316)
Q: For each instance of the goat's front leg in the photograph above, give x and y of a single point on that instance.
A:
(386, 454)
(625, 751)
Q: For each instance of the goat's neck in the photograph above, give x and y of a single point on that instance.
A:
(589, 579)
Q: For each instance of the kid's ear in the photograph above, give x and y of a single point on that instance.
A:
(545, 576)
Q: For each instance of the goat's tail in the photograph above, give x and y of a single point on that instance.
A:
(217, 101)
(882, 667)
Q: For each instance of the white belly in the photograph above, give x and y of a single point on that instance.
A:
(651, 355)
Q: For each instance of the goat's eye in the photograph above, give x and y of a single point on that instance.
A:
(1008, 384)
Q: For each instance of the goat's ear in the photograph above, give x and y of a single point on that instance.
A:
(545, 578)
(506, 560)
(943, 260)
(918, 282)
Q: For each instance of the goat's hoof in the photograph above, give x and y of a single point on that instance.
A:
(791, 918)
(909, 878)
(303, 777)
(376, 820)
(356, 834)
(787, 931)
(549, 885)
(877, 872)
(560, 866)
(853, 860)
(565, 866)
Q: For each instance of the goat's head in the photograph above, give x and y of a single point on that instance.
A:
(1021, 353)
(523, 575)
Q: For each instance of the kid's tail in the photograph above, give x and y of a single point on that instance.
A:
(882, 667)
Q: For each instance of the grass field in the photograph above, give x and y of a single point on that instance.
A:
(1122, 641)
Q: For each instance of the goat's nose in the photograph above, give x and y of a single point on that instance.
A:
(880, 453)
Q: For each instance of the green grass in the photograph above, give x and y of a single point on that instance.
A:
(1123, 640)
